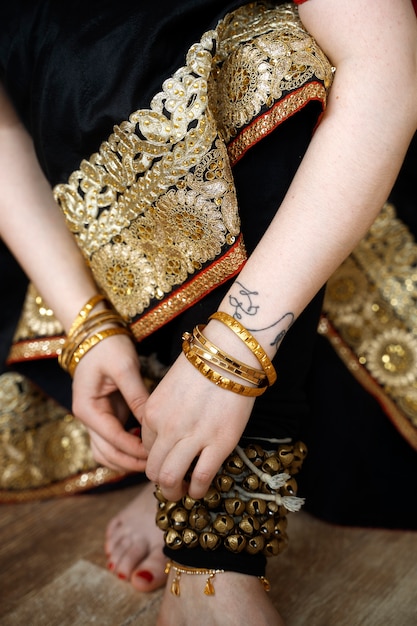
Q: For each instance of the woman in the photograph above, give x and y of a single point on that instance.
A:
(69, 91)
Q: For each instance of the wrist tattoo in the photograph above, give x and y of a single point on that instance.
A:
(244, 305)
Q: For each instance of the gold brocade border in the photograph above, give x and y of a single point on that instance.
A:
(369, 317)
(68, 487)
(360, 373)
(272, 118)
(207, 280)
(37, 348)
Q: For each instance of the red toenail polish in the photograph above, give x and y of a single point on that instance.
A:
(110, 566)
(121, 576)
(148, 576)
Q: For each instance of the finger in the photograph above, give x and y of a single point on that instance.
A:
(134, 392)
(105, 454)
(168, 467)
(207, 466)
(109, 429)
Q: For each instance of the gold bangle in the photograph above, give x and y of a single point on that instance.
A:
(92, 322)
(250, 341)
(215, 377)
(92, 341)
(223, 360)
(85, 311)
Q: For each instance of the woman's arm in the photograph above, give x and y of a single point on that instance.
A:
(34, 229)
(344, 179)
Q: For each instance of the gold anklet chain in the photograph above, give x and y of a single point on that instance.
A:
(200, 571)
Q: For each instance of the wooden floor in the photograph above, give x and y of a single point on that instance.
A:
(52, 570)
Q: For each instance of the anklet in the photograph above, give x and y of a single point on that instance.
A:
(200, 571)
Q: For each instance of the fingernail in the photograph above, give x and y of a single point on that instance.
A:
(121, 576)
(148, 576)
(136, 432)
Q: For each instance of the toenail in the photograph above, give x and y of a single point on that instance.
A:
(110, 566)
(148, 576)
(121, 576)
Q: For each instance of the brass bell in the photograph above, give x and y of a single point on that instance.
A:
(271, 465)
(199, 518)
(158, 494)
(173, 539)
(212, 498)
(256, 506)
(251, 483)
(179, 518)
(223, 524)
(235, 543)
(209, 540)
(169, 506)
(267, 528)
(255, 544)
(234, 464)
(273, 547)
(249, 525)
(290, 488)
(286, 455)
(224, 483)
(190, 537)
(234, 506)
(265, 488)
(300, 450)
(162, 520)
(272, 508)
(188, 502)
(255, 454)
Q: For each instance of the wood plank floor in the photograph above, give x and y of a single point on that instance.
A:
(52, 570)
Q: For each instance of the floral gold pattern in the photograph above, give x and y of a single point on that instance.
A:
(370, 317)
(40, 442)
(266, 68)
(156, 205)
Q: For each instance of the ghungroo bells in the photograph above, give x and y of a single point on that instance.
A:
(244, 509)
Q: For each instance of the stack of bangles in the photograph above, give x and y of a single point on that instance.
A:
(88, 329)
(205, 356)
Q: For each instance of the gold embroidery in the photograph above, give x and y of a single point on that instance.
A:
(37, 318)
(38, 333)
(157, 204)
(264, 53)
(371, 302)
(40, 442)
(35, 348)
(190, 293)
(281, 111)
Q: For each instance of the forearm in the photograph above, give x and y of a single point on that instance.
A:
(342, 183)
(33, 227)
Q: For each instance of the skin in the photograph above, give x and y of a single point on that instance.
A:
(343, 180)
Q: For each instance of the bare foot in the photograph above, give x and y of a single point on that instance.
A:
(238, 599)
(134, 543)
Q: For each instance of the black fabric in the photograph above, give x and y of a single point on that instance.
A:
(13, 285)
(76, 68)
(359, 471)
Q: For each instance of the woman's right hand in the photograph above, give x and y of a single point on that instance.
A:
(107, 386)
